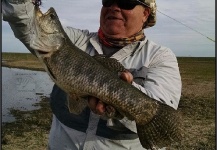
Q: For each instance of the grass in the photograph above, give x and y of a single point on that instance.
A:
(21, 60)
(197, 105)
(30, 130)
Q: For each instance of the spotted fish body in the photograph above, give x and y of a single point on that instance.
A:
(79, 75)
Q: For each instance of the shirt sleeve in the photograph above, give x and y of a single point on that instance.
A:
(159, 80)
(19, 15)
(81, 38)
(162, 81)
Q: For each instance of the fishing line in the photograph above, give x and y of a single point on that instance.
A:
(187, 26)
(38, 2)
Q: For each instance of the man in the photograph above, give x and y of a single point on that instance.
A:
(153, 69)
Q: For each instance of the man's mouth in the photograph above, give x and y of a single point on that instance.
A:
(113, 18)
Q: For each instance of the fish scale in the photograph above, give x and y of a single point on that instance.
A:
(92, 82)
(80, 75)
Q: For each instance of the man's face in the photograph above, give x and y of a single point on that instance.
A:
(120, 23)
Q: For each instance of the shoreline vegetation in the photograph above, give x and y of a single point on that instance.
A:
(22, 61)
(197, 104)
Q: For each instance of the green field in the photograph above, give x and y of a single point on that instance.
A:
(21, 60)
(197, 105)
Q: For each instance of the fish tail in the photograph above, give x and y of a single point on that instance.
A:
(165, 128)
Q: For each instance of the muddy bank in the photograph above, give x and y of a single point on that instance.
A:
(30, 130)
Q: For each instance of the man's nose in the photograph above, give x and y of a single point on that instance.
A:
(114, 6)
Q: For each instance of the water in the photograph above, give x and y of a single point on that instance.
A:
(21, 89)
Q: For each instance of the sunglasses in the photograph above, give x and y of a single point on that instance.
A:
(123, 4)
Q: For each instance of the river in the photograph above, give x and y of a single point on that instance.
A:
(21, 89)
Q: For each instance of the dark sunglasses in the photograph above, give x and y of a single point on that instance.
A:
(123, 4)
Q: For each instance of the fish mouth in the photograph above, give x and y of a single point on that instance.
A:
(42, 19)
(47, 35)
(39, 13)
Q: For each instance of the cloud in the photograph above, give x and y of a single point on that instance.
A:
(198, 15)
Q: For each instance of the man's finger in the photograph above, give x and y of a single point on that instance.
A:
(100, 108)
(92, 103)
(126, 76)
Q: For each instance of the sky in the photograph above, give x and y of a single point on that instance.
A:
(182, 25)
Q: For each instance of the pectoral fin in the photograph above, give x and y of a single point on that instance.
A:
(76, 104)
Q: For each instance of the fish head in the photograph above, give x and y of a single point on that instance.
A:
(48, 34)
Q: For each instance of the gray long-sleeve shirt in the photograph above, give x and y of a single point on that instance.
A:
(154, 68)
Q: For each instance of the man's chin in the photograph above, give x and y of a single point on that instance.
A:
(114, 33)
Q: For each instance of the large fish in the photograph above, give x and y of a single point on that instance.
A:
(79, 74)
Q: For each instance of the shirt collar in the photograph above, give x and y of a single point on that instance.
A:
(122, 53)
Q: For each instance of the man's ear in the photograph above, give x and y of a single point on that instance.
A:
(146, 13)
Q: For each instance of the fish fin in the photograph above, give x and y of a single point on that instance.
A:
(110, 63)
(76, 104)
(111, 112)
(163, 130)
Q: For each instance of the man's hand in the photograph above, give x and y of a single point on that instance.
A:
(98, 107)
